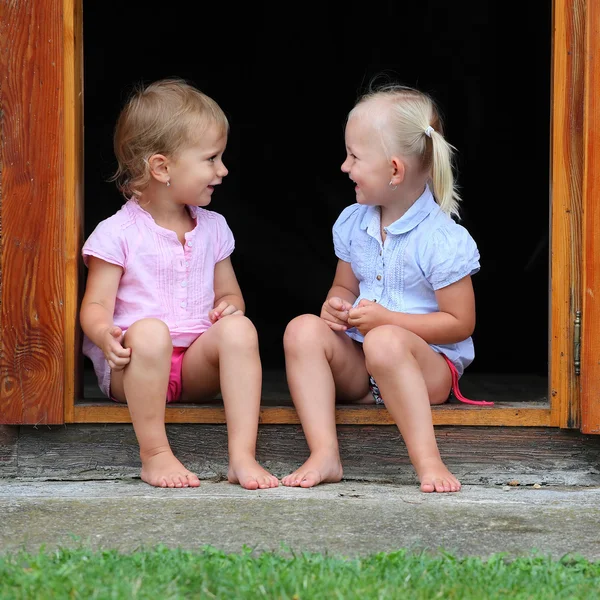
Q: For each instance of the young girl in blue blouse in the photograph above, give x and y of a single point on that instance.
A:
(396, 325)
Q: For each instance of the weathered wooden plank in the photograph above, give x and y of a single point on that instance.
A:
(515, 414)
(73, 200)
(566, 211)
(8, 450)
(590, 358)
(521, 400)
(478, 455)
(32, 213)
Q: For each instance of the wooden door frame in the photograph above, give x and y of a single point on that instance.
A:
(40, 361)
(590, 342)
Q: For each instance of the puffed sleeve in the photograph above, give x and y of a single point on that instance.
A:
(106, 243)
(342, 231)
(449, 255)
(224, 238)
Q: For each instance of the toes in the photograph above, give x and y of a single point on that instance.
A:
(291, 480)
(250, 484)
(193, 480)
(440, 485)
(311, 479)
(427, 486)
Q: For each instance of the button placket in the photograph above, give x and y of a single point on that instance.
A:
(184, 282)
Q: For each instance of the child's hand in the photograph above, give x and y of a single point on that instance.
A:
(223, 310)
(367, 315)
(335, 313)
(112, 346)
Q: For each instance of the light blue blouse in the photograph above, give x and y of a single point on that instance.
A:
(424, 250)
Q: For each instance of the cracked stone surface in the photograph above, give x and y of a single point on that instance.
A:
(347, 518)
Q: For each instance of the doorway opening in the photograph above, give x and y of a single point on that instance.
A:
(286, 87)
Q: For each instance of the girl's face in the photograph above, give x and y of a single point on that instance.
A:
(196, 170)
(366, 162)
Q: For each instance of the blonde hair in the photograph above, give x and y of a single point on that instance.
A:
(161, 118)
(410, 124)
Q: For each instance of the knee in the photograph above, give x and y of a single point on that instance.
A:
(385, 347)
(303, 331)
(238, 330)
(149, 338)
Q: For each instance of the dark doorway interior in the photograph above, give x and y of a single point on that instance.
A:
(286, 84)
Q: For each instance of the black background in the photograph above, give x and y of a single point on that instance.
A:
(286, 75)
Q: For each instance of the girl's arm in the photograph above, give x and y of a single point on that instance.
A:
(341, 297)
(97, 309)
(453, 323)
(228, 295)
(345, 284)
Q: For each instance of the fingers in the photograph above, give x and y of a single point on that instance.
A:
(117, 333)
(336, 326)
(339, 304)
(230, 310)
(337, 310)
(223, 310)
(116, 355)
(119, 365)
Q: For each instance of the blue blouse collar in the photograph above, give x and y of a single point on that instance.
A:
(423, 206)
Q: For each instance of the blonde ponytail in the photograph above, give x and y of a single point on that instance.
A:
(442, 176)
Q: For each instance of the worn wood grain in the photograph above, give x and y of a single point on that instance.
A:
(32, 213)
(8, 450)
(478, 455)
(568, 83)
(590, 357)
(73, 200)
(521, 400)
(509, 414)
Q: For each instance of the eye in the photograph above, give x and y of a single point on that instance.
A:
(213, 158)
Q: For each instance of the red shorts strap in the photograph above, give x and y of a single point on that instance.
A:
(456, 391)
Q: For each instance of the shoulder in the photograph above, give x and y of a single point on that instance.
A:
(209, 218)
(447, 251)
(114, 226)
(351, 215)
(441, 231)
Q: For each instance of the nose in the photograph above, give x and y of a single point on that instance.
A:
(223, 170)
(345, 167)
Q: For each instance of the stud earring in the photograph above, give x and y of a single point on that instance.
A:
(169, 184)
(391, 186)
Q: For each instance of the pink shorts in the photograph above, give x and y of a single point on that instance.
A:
(175, 386)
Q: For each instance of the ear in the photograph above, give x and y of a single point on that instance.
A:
(398, 170)
(159, 167)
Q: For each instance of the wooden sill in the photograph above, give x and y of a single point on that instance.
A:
(519, 400)
(533, 414)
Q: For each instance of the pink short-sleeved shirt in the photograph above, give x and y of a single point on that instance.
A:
(162, 278)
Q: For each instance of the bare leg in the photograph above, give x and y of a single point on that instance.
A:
(143, 384)
(411, 376)
(321, 364)
(226, 357)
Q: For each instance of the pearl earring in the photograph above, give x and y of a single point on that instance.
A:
(168, 184)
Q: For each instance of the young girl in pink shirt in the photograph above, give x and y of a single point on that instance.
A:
(163, 314)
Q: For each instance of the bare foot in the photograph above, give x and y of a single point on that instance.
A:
(435, 477)
(319, 468)
(250, 475)
(164, 470)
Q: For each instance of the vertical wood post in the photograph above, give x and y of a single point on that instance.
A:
(590, 363)
(32, 213)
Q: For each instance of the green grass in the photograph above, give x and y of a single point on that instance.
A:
(162, 573)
